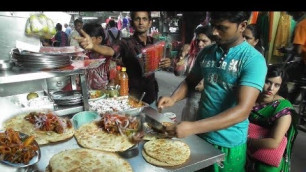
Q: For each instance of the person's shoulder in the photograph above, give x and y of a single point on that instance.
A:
(251, 51)
(207, 51)
(283, 101)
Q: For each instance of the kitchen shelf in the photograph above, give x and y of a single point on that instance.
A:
(17, 76)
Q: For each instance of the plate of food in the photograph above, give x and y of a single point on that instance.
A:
(45, 126)
(18, 149)
(112, 133)
(81, 159)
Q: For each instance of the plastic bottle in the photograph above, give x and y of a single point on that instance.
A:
(118, 71)
(124, 82)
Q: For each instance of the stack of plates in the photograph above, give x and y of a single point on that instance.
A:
(67, 97)
(40, 61)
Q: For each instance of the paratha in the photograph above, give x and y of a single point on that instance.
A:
(80, 160)
(153, 160)
(172, 152)
(92, 136)
(18, 123)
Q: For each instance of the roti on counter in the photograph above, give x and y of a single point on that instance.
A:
(88, 160)
(45, 127)
(166, 152)
(92, 136)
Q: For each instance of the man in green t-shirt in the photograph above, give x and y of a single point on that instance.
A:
(234, 74)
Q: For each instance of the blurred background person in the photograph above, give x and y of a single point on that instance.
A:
(46, 42)
(252, 36)
(60, 38)
(68, 29)
(78, 24)
(113, 34)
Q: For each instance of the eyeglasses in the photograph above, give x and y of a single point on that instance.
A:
(221, 60)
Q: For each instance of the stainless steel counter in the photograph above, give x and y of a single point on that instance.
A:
(202, 155)
(20, 75)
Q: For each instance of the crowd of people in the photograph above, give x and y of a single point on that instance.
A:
(228, 83)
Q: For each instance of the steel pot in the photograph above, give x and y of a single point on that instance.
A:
(57, 83)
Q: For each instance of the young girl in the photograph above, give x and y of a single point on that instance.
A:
(98, 78)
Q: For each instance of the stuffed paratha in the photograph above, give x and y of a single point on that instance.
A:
(172, 152)
(92, 136)
(19, 123)
(81, 159)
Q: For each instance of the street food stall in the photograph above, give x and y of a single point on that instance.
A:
(47, 119)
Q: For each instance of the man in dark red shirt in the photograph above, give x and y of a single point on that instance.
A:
(129, 51)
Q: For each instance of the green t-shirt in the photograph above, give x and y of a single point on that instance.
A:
(243, 66)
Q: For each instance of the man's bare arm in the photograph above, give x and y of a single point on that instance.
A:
(246, 99)
(180, 92)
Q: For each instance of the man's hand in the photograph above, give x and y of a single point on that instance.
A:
(184, 129)
(85, 41)
(164, 62)
(165, 102)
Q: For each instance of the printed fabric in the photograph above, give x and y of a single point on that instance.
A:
(265, 115)
(98, 78)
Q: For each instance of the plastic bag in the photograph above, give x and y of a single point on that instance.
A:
(151, 56)
(41, 26)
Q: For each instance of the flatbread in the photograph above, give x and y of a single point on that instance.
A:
(154, 161)
(92, 136)
(79, 160)
(172, 152)
(18, 123)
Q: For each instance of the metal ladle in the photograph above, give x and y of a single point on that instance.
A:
(142, 96)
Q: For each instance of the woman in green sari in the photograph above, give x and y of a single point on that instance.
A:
(275, 113)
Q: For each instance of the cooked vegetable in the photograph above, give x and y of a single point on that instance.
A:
(13, 149)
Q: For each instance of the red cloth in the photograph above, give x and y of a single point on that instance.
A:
(269, 156)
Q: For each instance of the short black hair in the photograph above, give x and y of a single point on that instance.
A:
(112, 23)
(95, 30)
(132, 13)
(76, 21)
(58, 26)
(232, 16)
